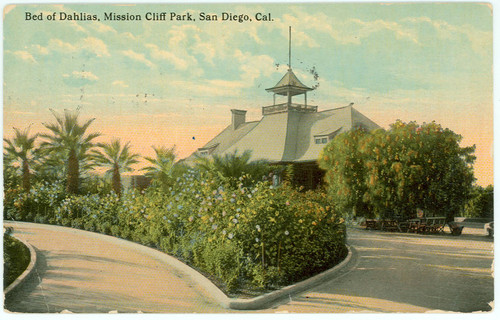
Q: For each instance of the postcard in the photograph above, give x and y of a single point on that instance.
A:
(329, 157)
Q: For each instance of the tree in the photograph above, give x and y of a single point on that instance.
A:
(345, 168)
(162, 169)
(480, 204)
(232, 165)
(68, 139)
(21, 149)
(117, 158)
(409, 166)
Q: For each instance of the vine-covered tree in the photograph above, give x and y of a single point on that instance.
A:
(345, 168)
(21, 149)
(69, 140)
(117, 159)
(409, 166)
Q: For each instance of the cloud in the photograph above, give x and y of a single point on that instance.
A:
(366, 28)
(89, 44)
(95, 46)
(61, 46)
(79, 78)
(73, 24)
(137, 57)
(253, 66)
(178, 35)
(349, 31)
(102, 28)
(129, 36)
(480, 40)
(156, 53)
(23, 55)
(39, 49)
(120, 83)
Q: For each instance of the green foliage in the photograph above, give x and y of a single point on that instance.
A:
(344, 161)
(68, 140)
(391, 173)
(20, 153)
(242, 233)
(117, 159)
(16, 258)
(232, 166)
(480, 204)
(163, 169)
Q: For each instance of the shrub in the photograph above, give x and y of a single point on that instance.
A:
(16, 258)
(240, 231)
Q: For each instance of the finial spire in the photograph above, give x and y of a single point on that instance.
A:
(289, 47)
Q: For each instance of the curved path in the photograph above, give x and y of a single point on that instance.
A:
(390, 272)
(394, 272)
(82, 272)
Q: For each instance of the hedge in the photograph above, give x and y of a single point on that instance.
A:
(244, 234)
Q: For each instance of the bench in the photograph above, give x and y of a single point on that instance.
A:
(435, 224)
(390, 225)
(371, 224)
(427, 225)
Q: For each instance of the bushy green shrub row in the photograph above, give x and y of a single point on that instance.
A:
(16, 258)
(244, 234)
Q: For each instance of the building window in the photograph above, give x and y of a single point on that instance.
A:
(321, 140)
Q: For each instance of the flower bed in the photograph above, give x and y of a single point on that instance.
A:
(244, 234)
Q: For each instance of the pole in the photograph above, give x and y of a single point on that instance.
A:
(290, 47)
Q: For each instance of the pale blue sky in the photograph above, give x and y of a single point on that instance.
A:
(166, 82)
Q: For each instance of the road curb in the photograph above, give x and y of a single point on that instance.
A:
(211, 289)
(267, 299)
(29, 270)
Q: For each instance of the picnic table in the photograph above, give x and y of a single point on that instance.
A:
(427, 225)
(417, 225)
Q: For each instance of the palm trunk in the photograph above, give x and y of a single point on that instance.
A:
(116, 181)
(26, 176)
(73, 173)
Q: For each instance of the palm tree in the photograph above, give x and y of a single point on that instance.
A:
(233, 165)
(163, 168)
(117, 158)
(21, 148)
(68, 138)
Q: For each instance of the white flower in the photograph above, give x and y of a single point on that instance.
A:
(256, 239)
(230, 236)
(287, 233)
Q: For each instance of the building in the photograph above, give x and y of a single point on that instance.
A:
(287, 133)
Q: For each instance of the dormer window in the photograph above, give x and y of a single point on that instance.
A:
(205, 151)
(324, 138)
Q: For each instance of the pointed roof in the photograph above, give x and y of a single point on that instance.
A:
(289, 137)
(289, 83)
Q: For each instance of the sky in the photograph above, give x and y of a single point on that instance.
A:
(174, 82)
